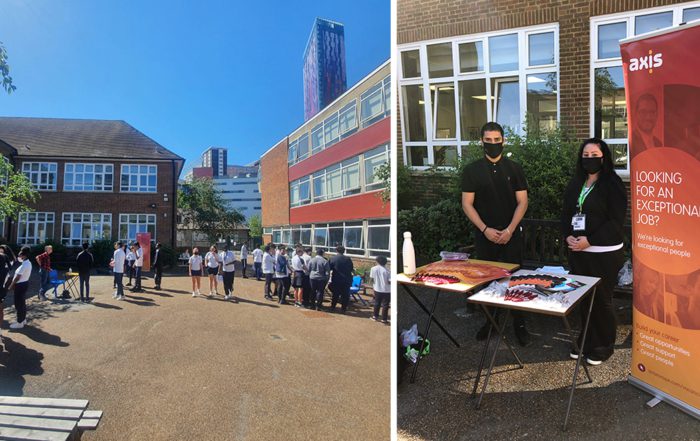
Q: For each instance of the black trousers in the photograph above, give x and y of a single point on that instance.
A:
(602, 329)
(258, 269)
(244, 266)
(130, 269)
(137, 276)
(228, 282)
(84, 283)
(282, 288)
(268, 283)
(20, 301)
(341, 292)
(307, 293)
(158, 276)
(381, 299)
(318, 287)
(511, 252)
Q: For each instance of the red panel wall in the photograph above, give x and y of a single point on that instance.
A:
(361, 141)
(361, 206)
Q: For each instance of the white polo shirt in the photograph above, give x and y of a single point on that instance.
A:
(268, 264)
(381, 277)
(257, 255)
(24, 271)
(297, 263)
(119, 258)
(228, 258)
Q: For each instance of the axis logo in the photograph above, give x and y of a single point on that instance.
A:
(648, 62)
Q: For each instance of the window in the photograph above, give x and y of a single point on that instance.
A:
(88, 177)
(440, 60)
(378, 238)
(320, 235)
(85, 227)
(471, 57)
(131, 224)
(444, 119)
(542, 100)
(607, 99)
(334, 186)
(139, 178)
(335, 235)
(372, 105)
(374, 159)
(292, 152)
(347, 119)
(503, 53)
(387, 95)
(42, 175)
(495, 76)
(296, 235)
(410, 61)
(305, 235)
(352, 238)
(319, 186)
(34, 228)
(277, 236)
(299, 192)
(267, 230)
(317, 139)
(303, 146)
(331, 130)
(351, 176)
(413, 116)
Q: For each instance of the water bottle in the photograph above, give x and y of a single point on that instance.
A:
(70, 270)
(409, 255)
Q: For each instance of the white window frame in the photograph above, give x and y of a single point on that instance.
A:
(149, 216)
(138, 174)
(348, 109)
(104, 189)
(486, 75)
(629, 18)
(26, 169)
(24, 218)
(364, 227)
(373, 251)
(366, 96)
(67, 217)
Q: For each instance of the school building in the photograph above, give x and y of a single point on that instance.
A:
(96, 180)
(318, 184)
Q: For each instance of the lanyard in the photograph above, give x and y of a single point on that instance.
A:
(583, 195)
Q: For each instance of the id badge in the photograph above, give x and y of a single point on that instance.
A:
(578, 222)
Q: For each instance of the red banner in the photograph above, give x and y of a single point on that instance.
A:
(144, 240)
(662, 86)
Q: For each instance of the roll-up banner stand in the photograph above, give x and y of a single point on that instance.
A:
(662, 90)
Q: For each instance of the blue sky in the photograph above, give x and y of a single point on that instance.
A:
(189, 74)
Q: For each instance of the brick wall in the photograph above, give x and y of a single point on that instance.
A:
(114, 202)
(274, 187)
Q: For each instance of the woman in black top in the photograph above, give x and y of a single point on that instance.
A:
(7, 260)
(592, 220)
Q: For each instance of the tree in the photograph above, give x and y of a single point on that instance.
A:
(255, 226)
(202, 206)
(16, 191)
(5, 71)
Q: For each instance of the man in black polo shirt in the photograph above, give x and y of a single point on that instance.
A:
(494, 198)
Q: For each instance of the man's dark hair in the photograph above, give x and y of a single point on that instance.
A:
(491, 127)
(158, 245)
(86, 246)
(267, 248)
(319, 251)
(646, 97)
(119, 244)
(381, 260)
(340, 249)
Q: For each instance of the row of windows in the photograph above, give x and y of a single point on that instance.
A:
(37, 227)
(360, 238)
(375, 104)
(351, 176)
(449, 89)
(92, 177)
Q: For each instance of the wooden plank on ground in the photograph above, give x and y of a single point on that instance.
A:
(47, 412)
(92, 414)
(88, 423)
(13, 433)
(45, 402)
(37, 423)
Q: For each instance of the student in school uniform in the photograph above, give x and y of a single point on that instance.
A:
(85, 262)
(130, 259)
(298, 266)
(308, 294)
(138, 267)
(257, 263)
(319, 272)
(195, 266)
(281, 276)
(117, 264)
(244, 260)
(382, 289)
(212, 262)
(268, 269)
(228, 267)
(19, 284)
(158, 266)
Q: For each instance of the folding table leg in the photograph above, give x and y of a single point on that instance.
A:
(425, 309)
(427, 331)
(481, 362)
(579, 359)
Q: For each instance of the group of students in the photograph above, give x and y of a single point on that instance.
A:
(129, 259)
(216, 264)
(309, 276)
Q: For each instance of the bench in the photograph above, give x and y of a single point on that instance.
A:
(51, 419)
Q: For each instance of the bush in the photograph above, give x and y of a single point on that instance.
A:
(168, 254)
(440, 227)
(102, 251)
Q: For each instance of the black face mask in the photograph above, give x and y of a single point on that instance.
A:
(592, 165)
(493, 149)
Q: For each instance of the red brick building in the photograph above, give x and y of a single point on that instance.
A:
(96, 180)
(464, 63)
(318, 185)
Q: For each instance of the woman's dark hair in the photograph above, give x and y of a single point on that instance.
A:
(608, 168)
(8, 252)
(24, 252)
